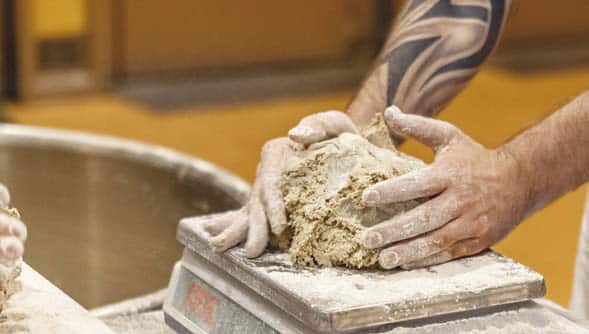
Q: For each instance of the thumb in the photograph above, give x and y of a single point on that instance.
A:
(431, 132)
(4, 196)
(321, 126)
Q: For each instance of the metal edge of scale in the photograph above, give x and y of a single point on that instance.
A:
(351, 318)
(244, 310)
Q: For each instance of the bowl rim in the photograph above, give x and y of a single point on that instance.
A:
(184, 165)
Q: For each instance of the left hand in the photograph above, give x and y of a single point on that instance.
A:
(265, 211)
(476, 196)
(13, 231)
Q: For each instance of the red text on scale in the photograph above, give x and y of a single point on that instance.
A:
(202, 304)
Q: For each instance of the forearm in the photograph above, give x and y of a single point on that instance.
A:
(432, 52)
(553, 156)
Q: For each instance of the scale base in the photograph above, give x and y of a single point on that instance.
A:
(228, 293)
(204, 299)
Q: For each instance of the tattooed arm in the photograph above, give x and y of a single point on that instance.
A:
(435, 48)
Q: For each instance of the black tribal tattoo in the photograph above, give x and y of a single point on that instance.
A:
(436, 47)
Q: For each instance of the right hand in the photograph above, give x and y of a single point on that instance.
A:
(13, 231)
(265, 211)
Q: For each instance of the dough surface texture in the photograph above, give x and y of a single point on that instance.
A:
(322, 187)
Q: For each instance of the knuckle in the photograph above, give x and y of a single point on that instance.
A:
(483, 226)
(478, 247)
(463, 250)
(449, 130)
(468, 197)
(442, 241)
(458, 251)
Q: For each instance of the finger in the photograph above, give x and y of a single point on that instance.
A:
(11, 248)
(432, 260)
(216, 223)
(257, 238)
(274, 157)
(321, 126)
(423, 218)
(4, 196)
(458, 250)
(10, 226)
(231, 236)
(421, 183)
(422, 248)
(468, 247)
(274, 204)
(431, 132)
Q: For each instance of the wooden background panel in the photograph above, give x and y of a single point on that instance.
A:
(59, 18)
(176, 35)
(3, 76)
(539, 19)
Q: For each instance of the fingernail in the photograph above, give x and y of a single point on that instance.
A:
(301, 131)
(371, 239)
(371, 197)
(391, 112)
(389, 260)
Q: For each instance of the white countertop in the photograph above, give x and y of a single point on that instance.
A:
(40, 307)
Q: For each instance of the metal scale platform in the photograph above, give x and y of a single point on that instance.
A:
(227, 293)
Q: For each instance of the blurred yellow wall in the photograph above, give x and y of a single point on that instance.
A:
(59, 18)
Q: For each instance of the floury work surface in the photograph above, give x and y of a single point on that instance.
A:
(227, 293)
(41, 308)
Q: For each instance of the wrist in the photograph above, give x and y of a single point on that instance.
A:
(365, 105)
(523, 179)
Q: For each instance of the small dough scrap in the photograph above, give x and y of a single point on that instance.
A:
(322, 188)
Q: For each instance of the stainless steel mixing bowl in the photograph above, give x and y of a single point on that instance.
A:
(102, 212)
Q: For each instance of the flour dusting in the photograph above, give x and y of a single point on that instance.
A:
(338, 288)
(529, 318)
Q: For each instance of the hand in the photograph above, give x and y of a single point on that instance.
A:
(474, 197)
(265, 209)
(321, 126)
(13, 231)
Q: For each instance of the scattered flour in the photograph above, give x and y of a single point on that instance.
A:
(331, 289)
(528, 318)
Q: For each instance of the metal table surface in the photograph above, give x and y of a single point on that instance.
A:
(42, 308)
